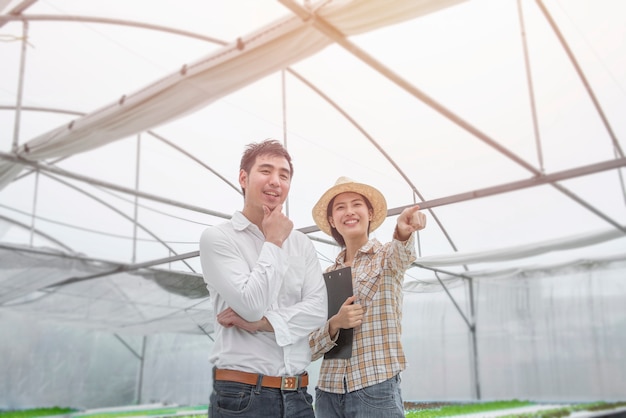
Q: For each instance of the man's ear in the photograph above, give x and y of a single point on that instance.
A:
(243, 178)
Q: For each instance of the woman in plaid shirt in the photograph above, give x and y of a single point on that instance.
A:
(367, 384)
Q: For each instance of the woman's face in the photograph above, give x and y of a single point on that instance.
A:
(350, 215)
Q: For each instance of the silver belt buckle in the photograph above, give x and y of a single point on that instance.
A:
(289, 383)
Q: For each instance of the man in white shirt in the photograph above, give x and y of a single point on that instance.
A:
(268, 291)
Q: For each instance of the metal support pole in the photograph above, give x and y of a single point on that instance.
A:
(531, 90)
(474, 363)
(20, 88)
(136, 201)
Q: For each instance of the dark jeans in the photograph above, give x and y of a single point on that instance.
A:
(382, 400)
(231, 399)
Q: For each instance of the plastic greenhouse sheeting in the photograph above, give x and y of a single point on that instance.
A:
(121, 129)
(547, 335)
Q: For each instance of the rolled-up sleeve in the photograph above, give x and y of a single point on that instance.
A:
(320, 341)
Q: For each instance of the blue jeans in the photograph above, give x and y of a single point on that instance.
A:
(232, 399)
(382, 400)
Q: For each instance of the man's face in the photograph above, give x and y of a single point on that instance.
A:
(268, 182)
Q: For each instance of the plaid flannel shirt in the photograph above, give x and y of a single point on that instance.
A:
(377, 354)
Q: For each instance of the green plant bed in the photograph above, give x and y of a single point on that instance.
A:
(413, 410)
(180, 412)
(37, 412)
(444, 409)
(193, 411)
(568, 410)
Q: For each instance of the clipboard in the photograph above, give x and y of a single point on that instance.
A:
(339, 288)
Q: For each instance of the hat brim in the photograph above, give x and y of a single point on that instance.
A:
(375, 197)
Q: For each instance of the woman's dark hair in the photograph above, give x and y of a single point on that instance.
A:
(267, 147)
(333, 231)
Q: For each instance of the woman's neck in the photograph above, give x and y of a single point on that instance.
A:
(352, 247)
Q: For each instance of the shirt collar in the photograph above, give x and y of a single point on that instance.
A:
(240, 222)
(371, 247)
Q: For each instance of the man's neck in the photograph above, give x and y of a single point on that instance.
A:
(253, 216)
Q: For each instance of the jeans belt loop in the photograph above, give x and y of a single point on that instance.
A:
(259, 384)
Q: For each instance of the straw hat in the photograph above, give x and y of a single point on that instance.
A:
(345, 184)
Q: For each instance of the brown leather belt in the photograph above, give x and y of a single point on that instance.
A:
(277, 382)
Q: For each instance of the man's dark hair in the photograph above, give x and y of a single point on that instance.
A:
(267, 147)
(333, 231)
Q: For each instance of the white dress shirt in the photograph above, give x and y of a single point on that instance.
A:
(257, 278)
